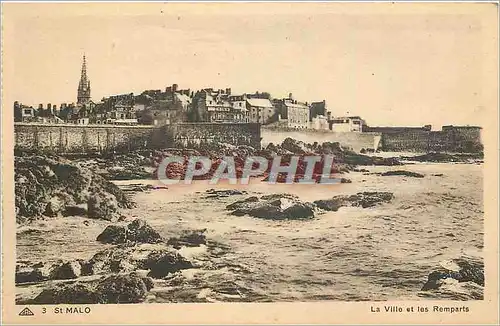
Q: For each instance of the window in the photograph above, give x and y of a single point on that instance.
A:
(27, 111)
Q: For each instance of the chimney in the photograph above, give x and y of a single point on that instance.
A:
(290, 96)
(174, 87)
(228, 91)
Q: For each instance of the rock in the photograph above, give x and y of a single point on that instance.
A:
(45, 185)
(330, 204)
(242, 203)
(402, 173)
(136, 231)
(110, 260)
(277, 196)
(148, 281)
(364, 199)
(102, 206)
(359, 159)
(212, 193)
(445, 157)
(162, 263)
(137, 187)
(128, 173)
(191, 238)
(370, 198)
(451, 289)
(294, 146)
(74, 210)
(345, 180)
(464, 269)
(55, 206)
(123, 289)
(139, 231)
(275, 206)
(360, 170)
(27, 274)
(68, 270)
(113, 234)
(77, 293)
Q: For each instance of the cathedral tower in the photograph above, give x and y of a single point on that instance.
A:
(84, 85)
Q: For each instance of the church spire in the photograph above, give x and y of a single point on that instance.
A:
(84, 85)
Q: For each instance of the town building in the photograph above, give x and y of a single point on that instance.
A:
(24, 113)
(294, 112)
(347, 124)
(211, 105)
(318, 109)
(261, 110)
(320, 122)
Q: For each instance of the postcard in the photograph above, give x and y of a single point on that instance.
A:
(250, 163)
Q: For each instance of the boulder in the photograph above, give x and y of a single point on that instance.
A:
(402, 173)
(75, 210)
(212, 193)
(123, 289)
(28, 274)
(294, 146)
(191, 238)
(139, 231)
(76, 293)
(110, 260)
(451, 289)
(370, 198)
(55, 206)
(161, 263)
(275, 206)
(136, 231)
(113, 234)
(360, 159)
(463, 269)
(102, 205)
(128, 173)
(68, 270)
(45, 185)
(242, 203)
(331, 204)
(361, 199)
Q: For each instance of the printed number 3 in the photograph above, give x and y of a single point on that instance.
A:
(44, 310)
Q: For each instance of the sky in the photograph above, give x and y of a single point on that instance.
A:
(403, 64)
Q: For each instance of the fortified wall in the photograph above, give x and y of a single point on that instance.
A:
(354, 140)
(85, 139)
(449, 139)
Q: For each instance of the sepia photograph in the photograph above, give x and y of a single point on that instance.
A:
(216, 153)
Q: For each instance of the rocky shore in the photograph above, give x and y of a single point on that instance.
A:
(138, 263)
